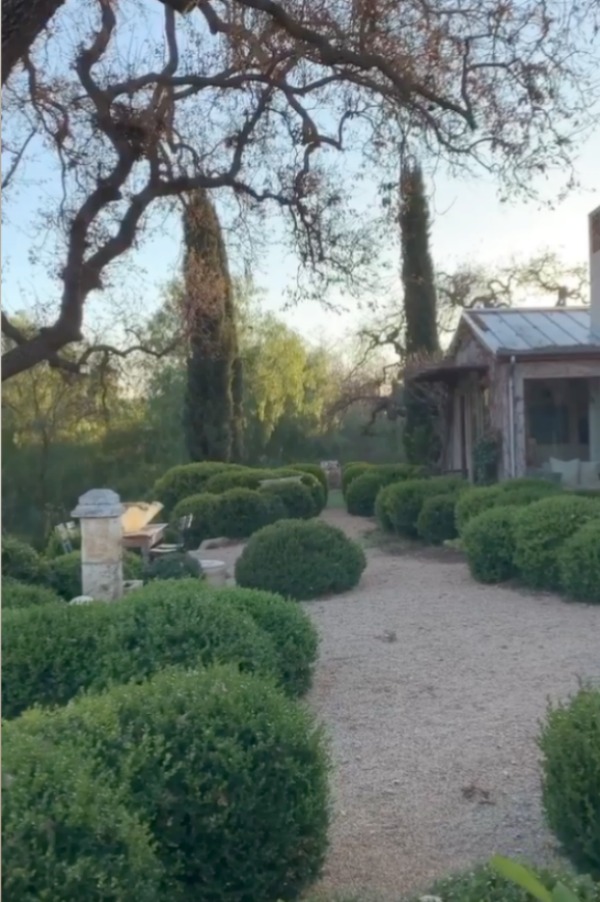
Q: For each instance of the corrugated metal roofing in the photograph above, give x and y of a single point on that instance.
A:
(534, 330)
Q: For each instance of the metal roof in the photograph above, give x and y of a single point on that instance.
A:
(534, 330)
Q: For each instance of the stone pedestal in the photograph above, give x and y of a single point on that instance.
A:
(99, 512)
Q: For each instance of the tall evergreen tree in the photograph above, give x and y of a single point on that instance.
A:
(420, 303)
(211, 429)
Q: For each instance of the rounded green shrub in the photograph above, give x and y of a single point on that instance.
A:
(67, 834)
(472, 502)
(290, 628)
(531, 484)
(203, 508)
(541, 529)
(570, 745)
(64, 572)
(252, 479)
(316, 471)
(489, 543)
(352, 471)
(239, 513)
(436, 522)
(301, 559)
(229, 775)
(185, 480)
(21, 561)
(50, 654)
(579, 563)
(176, 565)
(22, 595)
(297, 500)
(401, 502)
(363, 489)
(482, 884)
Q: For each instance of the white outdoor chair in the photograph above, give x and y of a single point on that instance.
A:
(183, 524)
(65, 532)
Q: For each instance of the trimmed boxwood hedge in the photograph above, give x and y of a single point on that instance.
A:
(22, 595)
(352, 471)
(67, 833)
(514, 491)
(400, 504)
(52, 653)
(252, 478)
(316, 471)
(176, 565)
(579, 563)
(185, 480)
(240, 512)
(482, 884)
(541, 529)
(297, 501)
(64, 572)
(21, 561)
(436, 522)
(301, 559)
(294, 636)
(570, 745)
(228, 775)
(489, 543)
(364, 488)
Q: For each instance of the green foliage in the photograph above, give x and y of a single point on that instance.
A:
(21, 561)
(228, 774)
(351, 472)
(297, 500)
(64, 572)
(301, 559)
(240, 512)
(489, 542)
(52, 653)
(400, 504)
(248, 478)
(522, 876)
(541, 529)
(172, 566)
(579, 563)
(486, 458)
(514, 491)
(185, 480)
(67, 833)
(203, 508)
(570, 745)
(290, 628)
(316, 471)
(363, 489)
(211, 321)
(16, 594)
(485, 884)
(435, 523)
(474, 501)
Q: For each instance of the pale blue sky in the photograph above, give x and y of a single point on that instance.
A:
(469, 225)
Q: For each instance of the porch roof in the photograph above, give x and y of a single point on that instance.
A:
(535, 331)
(446, 371)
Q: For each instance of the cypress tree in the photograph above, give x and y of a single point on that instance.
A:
(209, 413)
(420, 303)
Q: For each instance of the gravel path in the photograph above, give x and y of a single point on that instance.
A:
(431, 687)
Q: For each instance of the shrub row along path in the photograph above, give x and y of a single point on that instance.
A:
(431, 687)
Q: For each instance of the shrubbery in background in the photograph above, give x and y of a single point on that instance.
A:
(436, 522)
(579, 563)
(22, 595)
(302, 559)
(21, 561)
(489, 542)
(400, 504)
(540, 530)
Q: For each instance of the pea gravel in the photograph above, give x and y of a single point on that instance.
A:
(431, 687)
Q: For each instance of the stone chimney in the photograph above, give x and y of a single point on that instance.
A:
(594, 227)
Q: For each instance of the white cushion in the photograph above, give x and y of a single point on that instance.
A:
(589, 474)
(568, 469)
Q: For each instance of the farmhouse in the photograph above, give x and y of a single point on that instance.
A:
(528, 380)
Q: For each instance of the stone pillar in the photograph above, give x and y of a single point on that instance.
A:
(99, 512)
